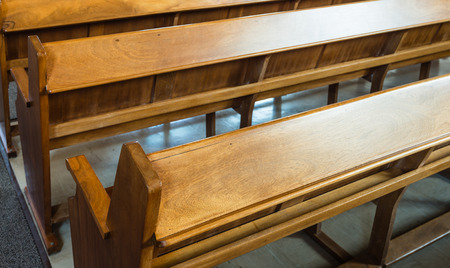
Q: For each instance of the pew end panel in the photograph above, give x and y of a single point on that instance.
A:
(32, 110)
(126, 223)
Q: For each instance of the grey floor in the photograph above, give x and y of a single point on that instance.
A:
(423, 200)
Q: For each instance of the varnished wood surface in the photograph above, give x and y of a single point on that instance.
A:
(19, 15)
(349, 136)
(81, 63)
(23, 14)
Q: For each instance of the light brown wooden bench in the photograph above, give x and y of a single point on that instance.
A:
(85, 89)
(209, 201)
(61, 20)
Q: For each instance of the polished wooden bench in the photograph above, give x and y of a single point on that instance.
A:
(85, 89)
(61, 20)
(203, 203)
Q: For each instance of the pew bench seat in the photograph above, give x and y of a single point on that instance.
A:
(203, 203)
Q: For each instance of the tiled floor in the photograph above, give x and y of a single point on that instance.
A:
(422, 201)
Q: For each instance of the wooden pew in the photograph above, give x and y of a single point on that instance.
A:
(85, 89)
(206, 202)
(61, 20)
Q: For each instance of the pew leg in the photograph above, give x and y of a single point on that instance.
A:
(333, 93)
(5, 121)
(445, 173)
(383, 225)
(277, 105)
(368, 77)
(378, 78)
(328, 244)
(246, 110)
(425, 70)
(210, 124)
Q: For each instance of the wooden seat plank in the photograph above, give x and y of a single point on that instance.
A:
(346, 136)
(79, 63)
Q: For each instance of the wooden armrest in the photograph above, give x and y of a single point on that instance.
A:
(21, 77)
(92, 190)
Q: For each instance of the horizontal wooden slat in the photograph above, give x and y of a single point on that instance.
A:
(24, 15)
(81, 63)
(143, 111)
(323, 144)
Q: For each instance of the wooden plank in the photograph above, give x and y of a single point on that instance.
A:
(22, 15)
(302, 160)
(74, 64)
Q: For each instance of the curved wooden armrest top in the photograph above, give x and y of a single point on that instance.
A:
(21, 77)
(92, 190)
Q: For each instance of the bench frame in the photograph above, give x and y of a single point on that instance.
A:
(98, 212)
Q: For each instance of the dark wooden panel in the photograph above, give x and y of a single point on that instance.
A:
(74, 104)
(17, 41)
(255, 9)
(82, 222)
(443, 34)
(35, 141)
(200, 16)
(418, 37)
(186, 82)
(352, 49)
(293, 61)
(313, 3)
(335, 2)
(132, 24)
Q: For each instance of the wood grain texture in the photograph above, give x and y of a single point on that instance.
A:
(22, 14)
(35, 139)
(93, 192)
(117, 59)
(21, 78)
(134, 208)
(304, 155)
